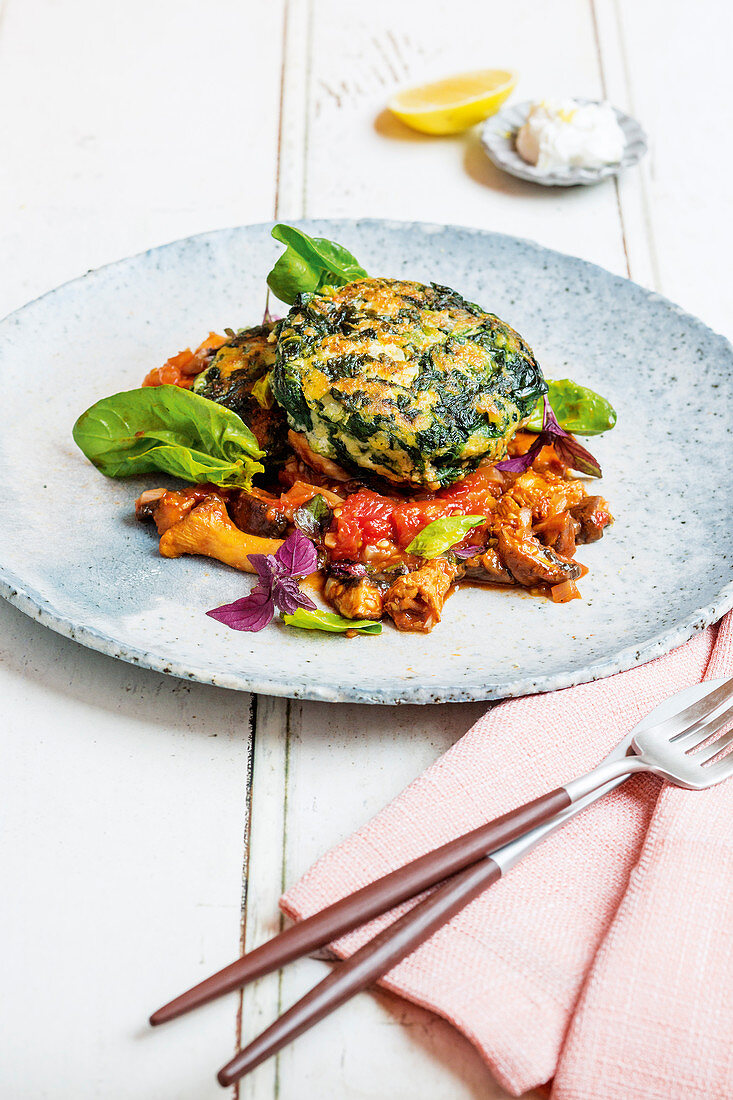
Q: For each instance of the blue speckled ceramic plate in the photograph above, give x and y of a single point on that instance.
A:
(73, 556)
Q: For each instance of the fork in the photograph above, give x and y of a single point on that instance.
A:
(662, 743)
(678, 748)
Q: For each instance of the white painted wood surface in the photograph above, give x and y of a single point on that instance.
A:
(148, 825)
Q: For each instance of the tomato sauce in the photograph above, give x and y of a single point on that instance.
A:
(367, 518)
(181, 370)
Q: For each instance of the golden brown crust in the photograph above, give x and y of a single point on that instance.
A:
(316, 462)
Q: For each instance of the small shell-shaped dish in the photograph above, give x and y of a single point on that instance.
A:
(498, 138)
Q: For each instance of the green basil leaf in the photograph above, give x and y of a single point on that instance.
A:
(441, 534)
(170, 429)
(328, 620)
(308, 264)
(578, 409)
(262, 392)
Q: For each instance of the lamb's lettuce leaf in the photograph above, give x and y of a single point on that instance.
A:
(329, 621)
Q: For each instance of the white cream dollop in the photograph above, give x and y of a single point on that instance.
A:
(567, 134)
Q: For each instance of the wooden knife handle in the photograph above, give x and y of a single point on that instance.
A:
(368, 902)
(365, 966)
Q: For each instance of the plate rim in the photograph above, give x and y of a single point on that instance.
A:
(22, 596)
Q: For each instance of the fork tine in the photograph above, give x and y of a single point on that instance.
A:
(679, 724)
(711, 751)
(701, 731)
(723, 769)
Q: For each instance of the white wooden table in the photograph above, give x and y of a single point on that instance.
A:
(149, 824)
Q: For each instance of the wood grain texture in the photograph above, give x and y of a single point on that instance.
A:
(144, 122)
(147, 833)
(124, 793)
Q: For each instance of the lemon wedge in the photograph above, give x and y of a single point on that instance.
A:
(454, 104)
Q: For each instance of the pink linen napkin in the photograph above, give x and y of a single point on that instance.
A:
(605, 958)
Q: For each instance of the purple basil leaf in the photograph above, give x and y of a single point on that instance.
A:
(520, 463)
(567, 446)
(252, 612)
(549, 420)
(347, 569)
(568, 449)
(265, 566)
(297, 556)
(277, 586)
(288, 597)
(466, 551)
(576, 456)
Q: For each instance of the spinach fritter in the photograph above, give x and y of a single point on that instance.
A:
(407, 381)
(236, 378)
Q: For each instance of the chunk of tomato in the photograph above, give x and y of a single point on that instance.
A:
(476, 492)
(409, 519)
(364, 519)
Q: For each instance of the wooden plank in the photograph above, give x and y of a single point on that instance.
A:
(343, 764)
(361, 161)
(674, 74)
(261, 1001)
(373, 1046)
(292, 127)
(633, 188)
(124, 793)
(127, 125)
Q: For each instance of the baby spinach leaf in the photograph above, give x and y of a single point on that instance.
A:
(578, 409)
(441, 534)
(309, 264)
(170, 429)
(328, 620)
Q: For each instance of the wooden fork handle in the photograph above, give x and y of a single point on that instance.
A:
(368, 902)
(368, 964)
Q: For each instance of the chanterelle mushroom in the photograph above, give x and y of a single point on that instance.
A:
(358, 599)
(208, 530)
(415, 600)
(167, 506)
